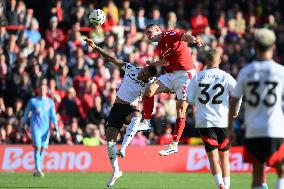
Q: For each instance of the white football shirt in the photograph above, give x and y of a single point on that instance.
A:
(131, 89)
(262, 84)
(209, 91)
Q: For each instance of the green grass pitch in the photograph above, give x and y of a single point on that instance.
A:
(127, 181)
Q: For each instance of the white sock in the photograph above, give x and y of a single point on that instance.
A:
(131, 130)
(280, 184)
(227, 182)
(111, 149)
(218, 179)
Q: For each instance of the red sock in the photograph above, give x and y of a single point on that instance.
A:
(180, 124)
(148, 103)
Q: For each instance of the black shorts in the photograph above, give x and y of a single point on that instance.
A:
(118, 114)
(215, 138)
(264, 150)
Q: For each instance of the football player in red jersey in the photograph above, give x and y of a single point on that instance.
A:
(176, 57)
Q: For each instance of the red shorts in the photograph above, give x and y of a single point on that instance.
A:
(264, 150)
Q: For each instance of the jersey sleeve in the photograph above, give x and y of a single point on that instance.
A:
(27, 111)
(127, 67)
(191, 90)
(52, 113)
(239, 89)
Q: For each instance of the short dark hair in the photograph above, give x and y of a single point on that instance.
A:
(262, 48)
(152, 70)
(150, 26)
(211, 55)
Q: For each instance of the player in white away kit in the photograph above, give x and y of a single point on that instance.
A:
(124, 110)
(209, 91)
(262, 84)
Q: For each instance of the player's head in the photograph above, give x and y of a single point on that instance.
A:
(148, 72)
(264, 40)
(212, 58)
(43, 89)
(153, 31)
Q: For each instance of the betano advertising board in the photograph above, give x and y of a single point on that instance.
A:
(62, 158)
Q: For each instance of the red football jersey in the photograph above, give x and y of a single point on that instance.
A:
(175, 51)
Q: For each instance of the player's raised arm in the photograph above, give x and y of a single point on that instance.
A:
(192, 39)
(105, 53)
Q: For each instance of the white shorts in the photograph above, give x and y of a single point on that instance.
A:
(178, 82)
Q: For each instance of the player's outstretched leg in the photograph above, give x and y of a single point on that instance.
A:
(111, 135)
(148, 102)
(111, 147)
(131, 130)
(37, 159)
(180, 124)
(148, 105)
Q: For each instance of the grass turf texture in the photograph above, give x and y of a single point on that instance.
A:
(127, 181)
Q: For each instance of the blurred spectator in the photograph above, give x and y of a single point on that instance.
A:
(29, 17)
(95, 114)
(76, 132)
(240, 23)
(77, 14)
(32, 32)
(207, 37)
(167, 137)
(69, 106)
(139, 139)
(127, 20)
(12, 15)
(156, 18)
(170, 108)
(54, 36)
(3, 19)
(93, 136)
(64, 81)
(141, 20)
(98, 35)
(271, 24)
(111, 12)
(199, 21)
(12, 49)
(24, 90)
(232, 35)
(4, 36)
(172, 21)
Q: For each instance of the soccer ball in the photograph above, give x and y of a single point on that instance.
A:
(97, 17)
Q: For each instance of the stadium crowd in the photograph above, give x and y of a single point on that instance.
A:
(47, 46)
